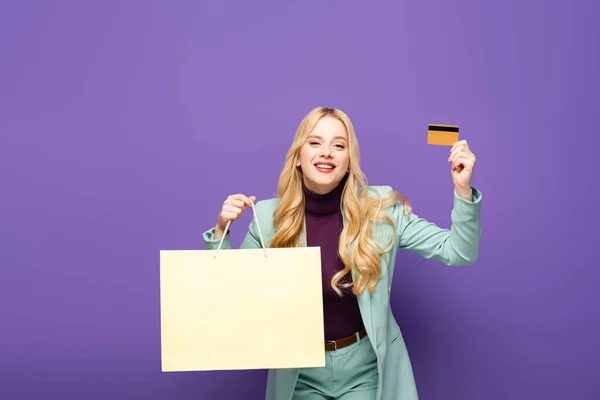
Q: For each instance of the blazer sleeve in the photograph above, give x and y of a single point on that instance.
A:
(458, 245)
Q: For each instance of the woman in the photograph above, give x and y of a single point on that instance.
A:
(323, 196)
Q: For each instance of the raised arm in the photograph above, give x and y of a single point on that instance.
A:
(458, 245)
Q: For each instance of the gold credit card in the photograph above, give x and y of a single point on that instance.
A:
(443, 135)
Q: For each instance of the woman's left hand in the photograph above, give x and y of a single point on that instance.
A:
(462, 160)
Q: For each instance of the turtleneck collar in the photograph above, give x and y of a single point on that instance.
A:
(324, 204)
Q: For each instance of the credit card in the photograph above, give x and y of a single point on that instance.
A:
(442, 135)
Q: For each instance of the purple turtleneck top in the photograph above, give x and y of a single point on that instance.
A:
(323, 227)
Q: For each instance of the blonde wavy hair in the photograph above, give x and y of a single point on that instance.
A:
(360, 210)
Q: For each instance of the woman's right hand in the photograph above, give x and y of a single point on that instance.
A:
(233, 207)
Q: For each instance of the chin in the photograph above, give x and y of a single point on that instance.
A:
(325, 183)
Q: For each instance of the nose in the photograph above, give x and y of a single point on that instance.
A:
(325, 151)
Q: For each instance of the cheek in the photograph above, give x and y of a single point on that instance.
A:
(303, 157)
(306, 156)
(346, 162)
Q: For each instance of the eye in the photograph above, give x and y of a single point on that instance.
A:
(340, 146)
(314, 143)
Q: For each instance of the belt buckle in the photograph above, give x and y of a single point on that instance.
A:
(334, 344)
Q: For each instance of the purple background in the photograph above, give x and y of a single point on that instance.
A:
(121, 121)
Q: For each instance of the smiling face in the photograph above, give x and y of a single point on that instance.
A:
(324, 157)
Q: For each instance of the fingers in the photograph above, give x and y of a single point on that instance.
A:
(231, 201)
(233, 207)
(229, 215)
(460, 143)
(228, 208)
(459, 152)
(461, 149)
(461, 163)
(241, 200)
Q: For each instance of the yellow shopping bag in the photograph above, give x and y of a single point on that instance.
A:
(241, 308)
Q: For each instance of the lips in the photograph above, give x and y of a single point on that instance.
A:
(325, 166)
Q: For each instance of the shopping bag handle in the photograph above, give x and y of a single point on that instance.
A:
(257, 225)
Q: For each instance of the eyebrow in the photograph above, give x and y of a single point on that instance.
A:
(319, 137)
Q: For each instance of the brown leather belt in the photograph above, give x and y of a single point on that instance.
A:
(333, 345)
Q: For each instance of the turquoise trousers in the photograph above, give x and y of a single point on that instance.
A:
(349, 374)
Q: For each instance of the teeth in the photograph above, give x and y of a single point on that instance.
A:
(324, 166)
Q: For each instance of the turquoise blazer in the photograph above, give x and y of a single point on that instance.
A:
(458, 245)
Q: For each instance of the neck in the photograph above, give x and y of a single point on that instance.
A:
(324, 204)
